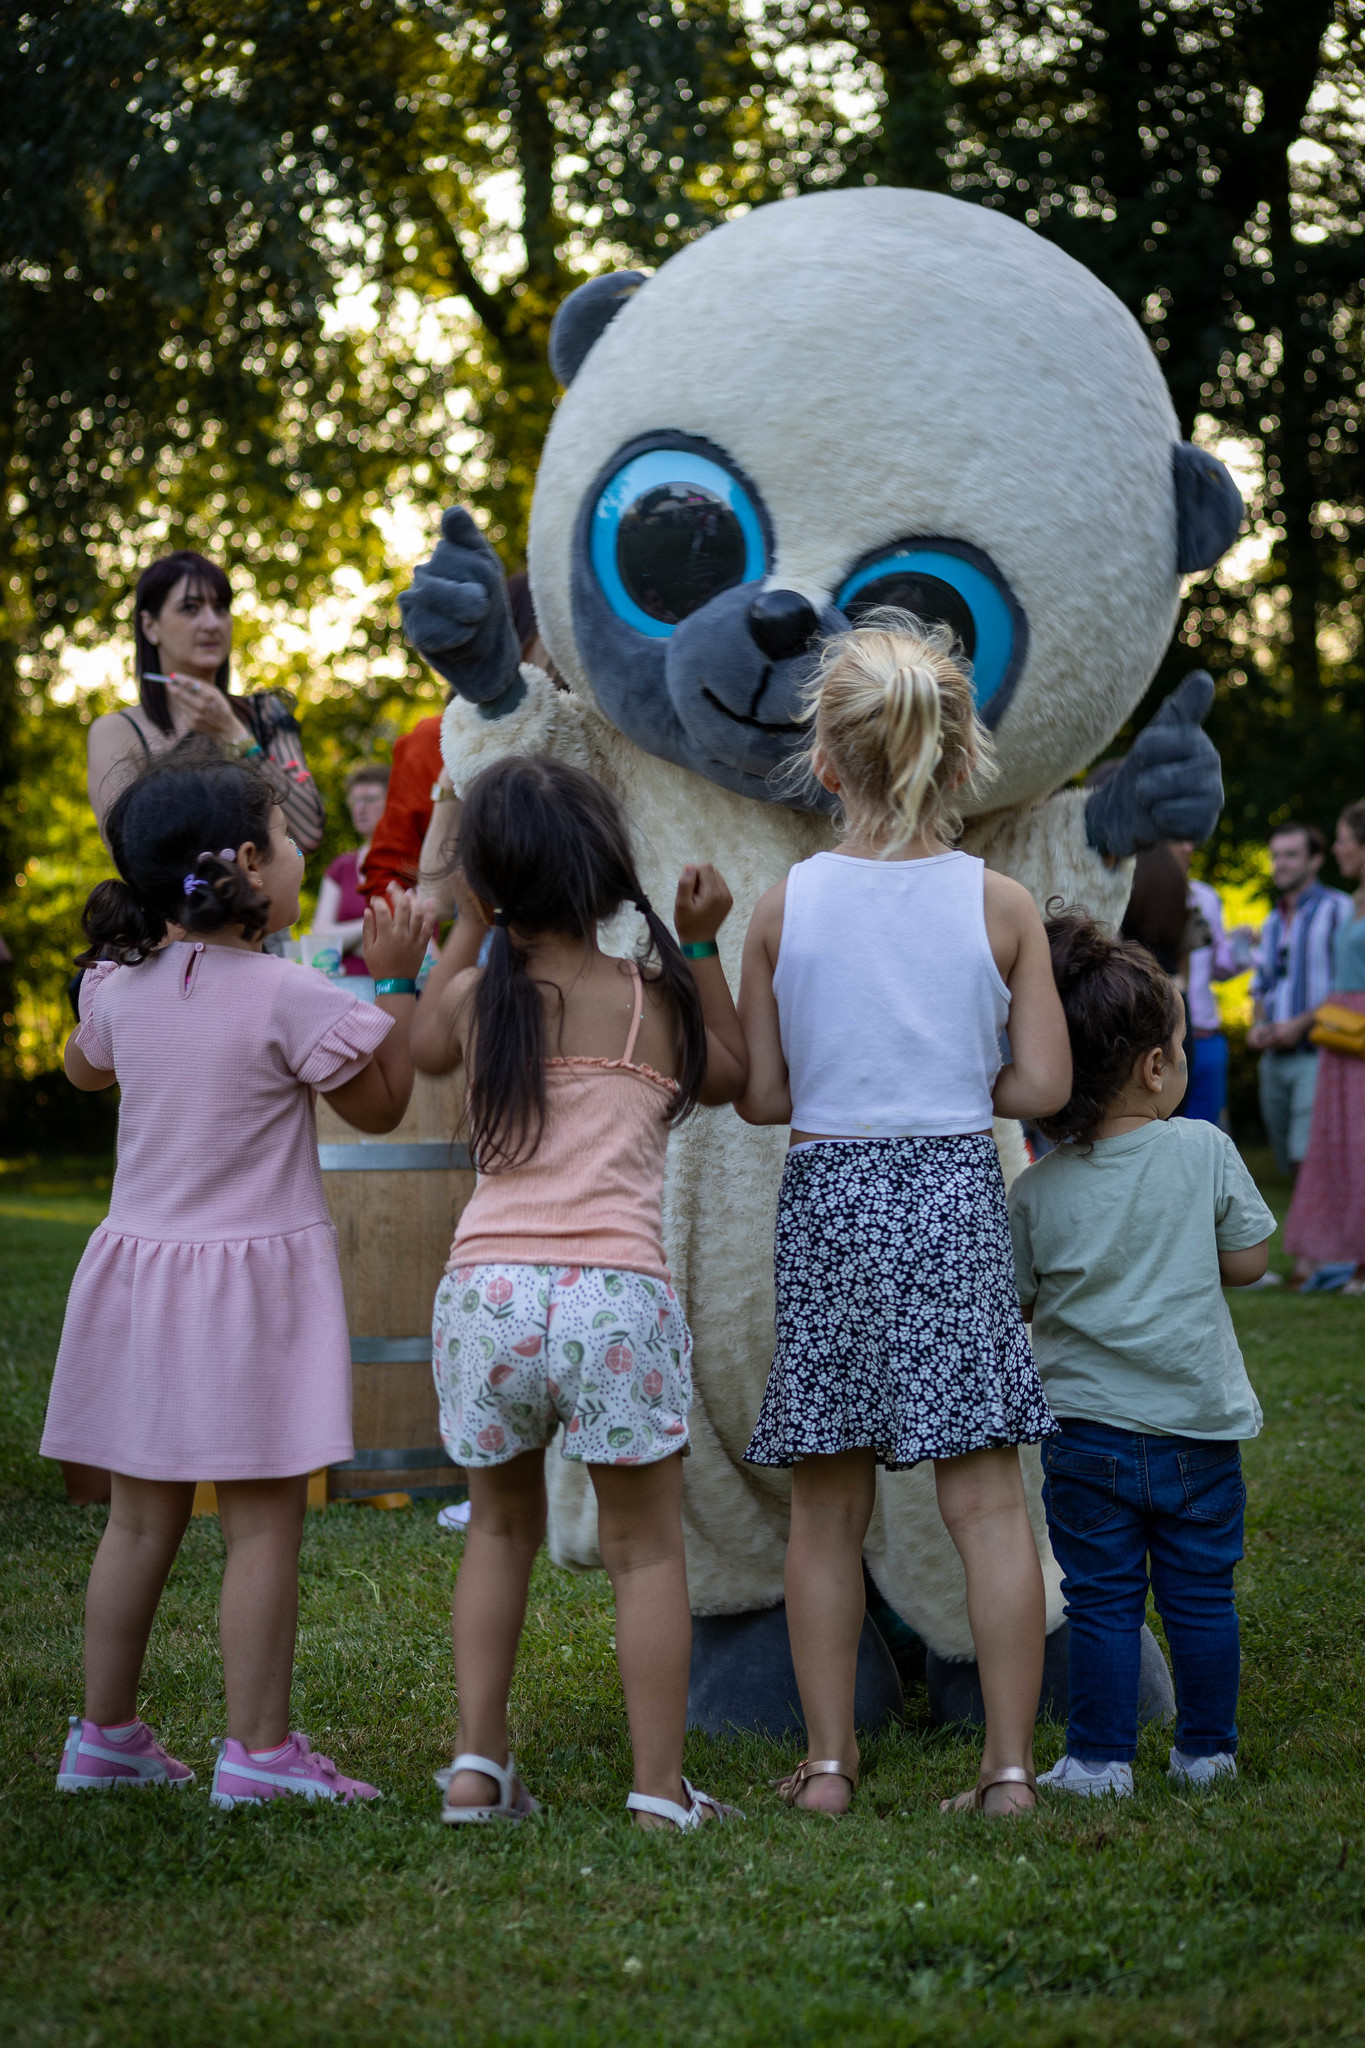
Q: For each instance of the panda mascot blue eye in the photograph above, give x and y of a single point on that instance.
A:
(956, 585)
(668, 531)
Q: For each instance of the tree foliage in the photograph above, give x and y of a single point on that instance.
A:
(193, 194)
(1204, 158)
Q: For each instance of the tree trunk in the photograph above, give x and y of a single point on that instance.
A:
(1284, 61)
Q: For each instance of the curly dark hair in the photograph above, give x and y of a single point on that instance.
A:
(1119, 1004)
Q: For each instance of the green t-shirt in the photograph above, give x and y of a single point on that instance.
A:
(1116, 1247)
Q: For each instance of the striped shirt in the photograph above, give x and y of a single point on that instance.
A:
(1294, 966)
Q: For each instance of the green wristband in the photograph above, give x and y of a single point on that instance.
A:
(699, 949)
(396, 985)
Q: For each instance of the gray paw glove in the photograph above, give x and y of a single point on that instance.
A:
(1170, 786)
(457, 616)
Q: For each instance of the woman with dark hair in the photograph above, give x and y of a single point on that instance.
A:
(182, 622)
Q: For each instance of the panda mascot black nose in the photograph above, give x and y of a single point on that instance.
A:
(782, 623)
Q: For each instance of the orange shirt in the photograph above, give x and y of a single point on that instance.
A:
(397, 843)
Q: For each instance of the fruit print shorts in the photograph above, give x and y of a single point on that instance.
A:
(518, 1350)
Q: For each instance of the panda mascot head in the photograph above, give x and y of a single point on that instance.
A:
(858, 398)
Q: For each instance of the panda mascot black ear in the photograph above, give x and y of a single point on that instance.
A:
(585, 315)
(1208, 507)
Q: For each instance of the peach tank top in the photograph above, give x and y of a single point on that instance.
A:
(591, 1194)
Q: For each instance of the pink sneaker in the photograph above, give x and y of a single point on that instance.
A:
(240, 1779)
(96, 1761)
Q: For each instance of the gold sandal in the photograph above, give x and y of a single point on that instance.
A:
(829, 1767)
(1012, 1774)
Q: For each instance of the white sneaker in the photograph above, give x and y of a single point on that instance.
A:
(1091, 1781)
(1200, 1770)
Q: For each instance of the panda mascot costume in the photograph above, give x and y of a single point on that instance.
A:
(847, 399)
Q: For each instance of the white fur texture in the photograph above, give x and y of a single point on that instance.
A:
(883, 364)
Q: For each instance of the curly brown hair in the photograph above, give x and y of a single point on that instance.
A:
(1119, 1005)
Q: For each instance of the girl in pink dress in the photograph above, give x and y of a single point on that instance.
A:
(205, 1334)
(557, 1307)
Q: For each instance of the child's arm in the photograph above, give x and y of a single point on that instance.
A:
(1037, 1082)
(1241, 1269)
(394, 941)
(438, 1028)
(768, 1097)
(80, 1071)
(700, 908)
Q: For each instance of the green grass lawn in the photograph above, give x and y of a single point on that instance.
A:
(149, 1919)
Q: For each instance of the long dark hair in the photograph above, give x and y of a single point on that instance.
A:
(154, 586)
(550, 848)
(169, 830)
(1119, 1005)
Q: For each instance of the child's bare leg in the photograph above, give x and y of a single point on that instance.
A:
(147, 1519)
(639, 1533)
(258, 1614)
(981, 1499)
(832, 1501)
(506, 1524)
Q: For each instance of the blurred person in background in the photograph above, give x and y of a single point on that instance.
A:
(1218, 958)
(1326, 1222)
(418, 781)
(182, 626)
(1293, 975)
(340, 912)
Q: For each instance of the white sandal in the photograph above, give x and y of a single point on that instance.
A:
(504, 1776)
(684, 1818)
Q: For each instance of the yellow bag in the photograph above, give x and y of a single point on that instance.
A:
(1339, 1029)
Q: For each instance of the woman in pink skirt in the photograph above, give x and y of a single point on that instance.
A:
(205, 1334)
(1326, 1221)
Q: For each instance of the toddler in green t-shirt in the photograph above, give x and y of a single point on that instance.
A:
(1124, 1238)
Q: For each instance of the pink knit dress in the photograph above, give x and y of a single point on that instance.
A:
(205, 1333)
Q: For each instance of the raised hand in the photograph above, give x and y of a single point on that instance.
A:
(204, 708)
(702, 904)
(1170, 786)
(395, 934)
(457, 616)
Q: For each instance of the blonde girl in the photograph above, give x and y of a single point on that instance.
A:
(878, 982)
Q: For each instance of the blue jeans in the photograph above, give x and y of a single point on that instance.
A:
(1117, 1502)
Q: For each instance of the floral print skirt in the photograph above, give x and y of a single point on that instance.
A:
(518, 1350)
(898, 1324)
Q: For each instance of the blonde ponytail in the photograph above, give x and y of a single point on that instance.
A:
(893, 711)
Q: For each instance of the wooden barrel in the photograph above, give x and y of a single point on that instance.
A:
(395, 1201)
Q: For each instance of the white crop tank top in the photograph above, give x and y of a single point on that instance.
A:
(888, 997)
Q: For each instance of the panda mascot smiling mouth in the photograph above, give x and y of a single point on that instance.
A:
(854, 398)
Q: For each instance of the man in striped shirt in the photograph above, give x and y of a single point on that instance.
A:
(1293, 975)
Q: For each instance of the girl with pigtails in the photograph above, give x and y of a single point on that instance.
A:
(878, 982)
(205, 1333)
(557, 1308)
